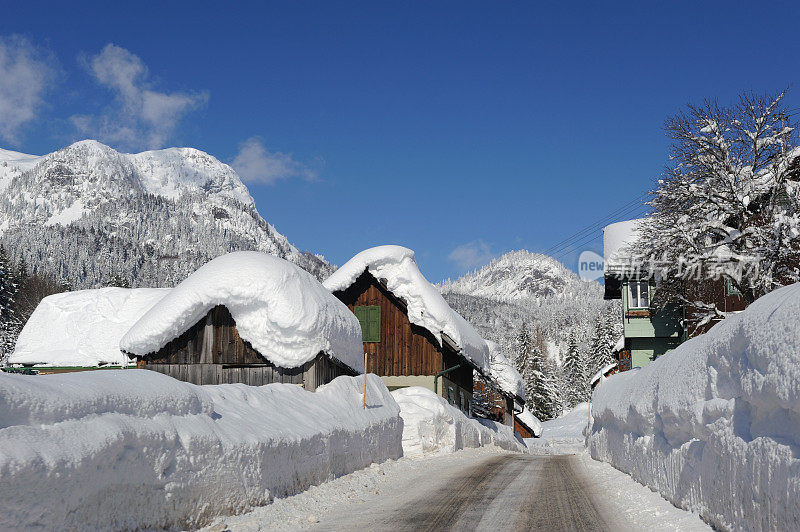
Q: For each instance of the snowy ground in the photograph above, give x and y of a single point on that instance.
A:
(362, 498)
(130, 449)
(714, 425)
(347, 493)
(562, 435)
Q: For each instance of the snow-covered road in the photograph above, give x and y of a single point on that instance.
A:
(559, 487)
(506, 492)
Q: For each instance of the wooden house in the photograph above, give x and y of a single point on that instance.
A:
(501, 393)
(248, 318)
(526, 425)
(411, 337)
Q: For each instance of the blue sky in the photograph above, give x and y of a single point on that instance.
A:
(461, 130)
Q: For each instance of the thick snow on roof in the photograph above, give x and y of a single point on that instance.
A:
(617, 236)
(532, 422)
(82, 328)
(426, 306)
(280, 309)
(503, 372)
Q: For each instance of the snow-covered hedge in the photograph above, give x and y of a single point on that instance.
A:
(432, 425)
(124, 449)
(714, 425)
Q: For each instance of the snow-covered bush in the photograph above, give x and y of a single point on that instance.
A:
(431, 425)
(125, 449)
(714, 425)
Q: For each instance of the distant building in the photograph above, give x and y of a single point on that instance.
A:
(411, 335)
(647, 334)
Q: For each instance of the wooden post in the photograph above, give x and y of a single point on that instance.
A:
(365, 380)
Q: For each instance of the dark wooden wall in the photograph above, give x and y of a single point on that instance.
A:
(709, 291)
(212, 352)
(310, 375)
(212, 340)
(405, 348)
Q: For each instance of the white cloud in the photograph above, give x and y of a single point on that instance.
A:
(25, 73)
(472, 254)
(257, 165)
(141, 116)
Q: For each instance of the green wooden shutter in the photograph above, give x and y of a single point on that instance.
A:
(370, 319)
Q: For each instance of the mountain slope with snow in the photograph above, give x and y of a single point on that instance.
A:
(531, 288)
(518, 275)
(87, 213)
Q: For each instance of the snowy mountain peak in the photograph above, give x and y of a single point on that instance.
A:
(180, 206)
(517, 275)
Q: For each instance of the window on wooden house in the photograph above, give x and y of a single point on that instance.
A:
(370, 319)
(639, 294)
(731, 290)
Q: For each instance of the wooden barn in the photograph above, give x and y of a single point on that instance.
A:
(411, 336)
(260, 347)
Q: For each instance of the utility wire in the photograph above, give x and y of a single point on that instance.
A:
(621, 212)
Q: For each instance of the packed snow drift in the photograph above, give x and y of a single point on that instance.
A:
(431, 425)
(280, 309)
(129, 449)
(714, 425)
(426, 307)
(503, 372)
(83, 328)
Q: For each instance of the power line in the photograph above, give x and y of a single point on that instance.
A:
(625, 210)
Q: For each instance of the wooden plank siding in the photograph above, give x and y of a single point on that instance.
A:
(212, 352)
(405, 349)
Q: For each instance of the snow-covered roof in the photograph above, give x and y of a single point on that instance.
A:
(605, 369)
(82, 328)
(615, 238)
(426, 307)
(532, 422)
(620, 345)
(280, 309)
(503, 372)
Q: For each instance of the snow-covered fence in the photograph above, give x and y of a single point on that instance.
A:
(714, 426)
(136, 449)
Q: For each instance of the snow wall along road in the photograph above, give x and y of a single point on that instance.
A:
(133, 449)
(714, 425)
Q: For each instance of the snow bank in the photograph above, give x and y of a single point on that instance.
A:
(82, 328)
(126, 449)
(432, 425)
(503, 372)
(426, 306)
(714, 425)
(279, 308)
(532, 422)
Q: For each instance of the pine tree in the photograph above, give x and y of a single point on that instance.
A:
(10, 324)
(601, 345)
(522, 347)
(576, 389)
(537, 394)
